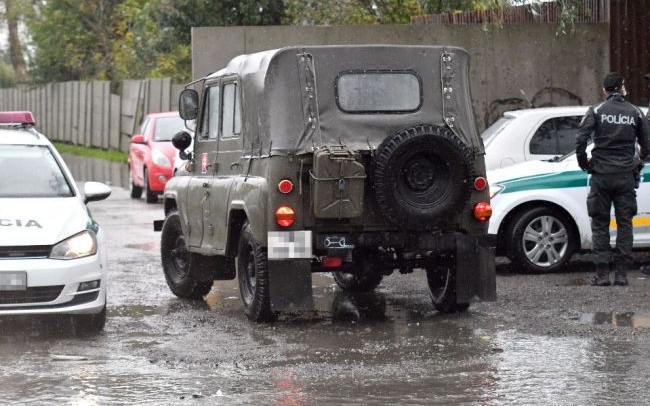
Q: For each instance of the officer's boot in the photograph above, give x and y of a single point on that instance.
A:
(601, 276)
(620, 275)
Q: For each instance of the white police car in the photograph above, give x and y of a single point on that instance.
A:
(51, 256)
(539, 213)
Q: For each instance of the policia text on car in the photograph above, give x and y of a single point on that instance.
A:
(616, 127)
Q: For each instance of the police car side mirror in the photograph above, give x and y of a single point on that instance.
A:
(94, 191)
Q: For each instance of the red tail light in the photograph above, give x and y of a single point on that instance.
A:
(482, 211)
(285, 216)
(285, 186)
(332, 262)
(480, 183)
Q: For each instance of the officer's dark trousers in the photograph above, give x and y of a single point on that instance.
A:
(616, 189)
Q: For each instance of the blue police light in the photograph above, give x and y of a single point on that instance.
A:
(16, 118)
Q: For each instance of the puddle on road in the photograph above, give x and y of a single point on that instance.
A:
(627, 319)
(148, 247)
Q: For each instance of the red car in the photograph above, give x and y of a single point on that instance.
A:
(151, 154)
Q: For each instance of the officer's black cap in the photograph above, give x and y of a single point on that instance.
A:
(613, 81)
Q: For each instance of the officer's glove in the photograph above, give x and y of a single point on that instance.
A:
(584, 164)
(637, 173)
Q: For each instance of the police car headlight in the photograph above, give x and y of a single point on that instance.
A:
(160, 159)
(495, 190)
(79, 245)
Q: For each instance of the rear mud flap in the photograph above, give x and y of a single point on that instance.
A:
(290, 284)
(475, 269)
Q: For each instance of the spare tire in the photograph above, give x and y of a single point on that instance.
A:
(422, 176)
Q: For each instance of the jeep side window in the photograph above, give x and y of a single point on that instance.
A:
(231, 111)
(210, 127)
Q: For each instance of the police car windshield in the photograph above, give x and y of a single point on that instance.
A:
(28, 171)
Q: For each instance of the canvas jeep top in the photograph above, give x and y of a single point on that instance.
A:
(355, 160)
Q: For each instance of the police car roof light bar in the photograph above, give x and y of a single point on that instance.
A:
(24, 118)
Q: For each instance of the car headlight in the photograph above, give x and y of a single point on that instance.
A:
(160, 159)
(495, 190)
(79, 245)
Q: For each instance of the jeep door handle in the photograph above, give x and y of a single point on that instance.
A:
(234, 164)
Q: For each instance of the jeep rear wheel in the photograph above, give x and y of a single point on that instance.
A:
(176, 261)
(365, 277)
(422, 176)
(442, 288)
(253, 276)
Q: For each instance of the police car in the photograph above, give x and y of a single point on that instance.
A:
(51, 256)
(539, 212)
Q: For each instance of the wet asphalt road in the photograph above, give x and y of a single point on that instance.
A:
(549, 339)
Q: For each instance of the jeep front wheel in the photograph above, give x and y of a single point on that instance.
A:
(442, 288)
(176, 261)
(253, 276)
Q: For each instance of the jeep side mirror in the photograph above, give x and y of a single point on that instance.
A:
(188, 104)
(181, 140)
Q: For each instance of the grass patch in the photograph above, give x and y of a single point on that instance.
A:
(115, 156)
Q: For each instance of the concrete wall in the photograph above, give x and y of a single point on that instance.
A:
(510, 66)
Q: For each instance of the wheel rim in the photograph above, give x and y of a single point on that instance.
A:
(250, 277)
(179, 258)
(545, 241)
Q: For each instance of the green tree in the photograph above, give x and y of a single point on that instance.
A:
(72, 40)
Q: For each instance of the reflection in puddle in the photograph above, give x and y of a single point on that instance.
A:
(628, 319)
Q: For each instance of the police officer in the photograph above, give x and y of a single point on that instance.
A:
(616, 127)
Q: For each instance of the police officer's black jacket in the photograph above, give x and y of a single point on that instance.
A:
(616, 126)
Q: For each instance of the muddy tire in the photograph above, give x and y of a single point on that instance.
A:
(135, 191)
(253, 276)
(150, 197)
(89, 323)
(176, 261)
(422, 176)
(365, 278)
(542, 239)
(442, 288)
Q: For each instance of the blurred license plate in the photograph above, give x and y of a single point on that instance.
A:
(13, 280)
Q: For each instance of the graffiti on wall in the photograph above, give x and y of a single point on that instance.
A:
(547, 97)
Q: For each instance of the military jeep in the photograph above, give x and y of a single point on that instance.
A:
(355, 160)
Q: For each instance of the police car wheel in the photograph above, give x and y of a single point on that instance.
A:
(253, 277)
(365, 276)
(542, 240)
(421, 176)
(176, 261)
(150, 197)
(134, 190)
(89, 323)
(442, 289)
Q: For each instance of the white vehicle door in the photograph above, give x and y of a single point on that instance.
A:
(641, 221)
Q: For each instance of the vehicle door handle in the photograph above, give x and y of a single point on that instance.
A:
(206, 185)
(234, 164)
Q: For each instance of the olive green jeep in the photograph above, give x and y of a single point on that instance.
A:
(355, 160)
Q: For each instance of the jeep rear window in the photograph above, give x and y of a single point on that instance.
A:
(378, 92)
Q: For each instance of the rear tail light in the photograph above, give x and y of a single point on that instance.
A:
(482, 211)
(285, 216)
(480, 183)
(285, 186)
(332, 262)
